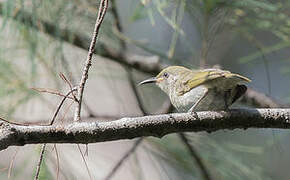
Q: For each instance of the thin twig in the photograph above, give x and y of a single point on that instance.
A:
(101, 14)
(70, 82)
(57, 162)
(60, 105)
(83, 157)
(12, 163)
(123, 159)
(90, 112)
(62, 76)
(36, 177)
(51, 91)
(65, 111)
(51, 122)
(195, 156)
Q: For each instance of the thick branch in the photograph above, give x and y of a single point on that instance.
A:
(128, 128)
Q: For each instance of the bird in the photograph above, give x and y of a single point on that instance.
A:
(200, 90)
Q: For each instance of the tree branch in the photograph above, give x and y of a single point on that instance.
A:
(42, 151)
(156, 125)
(101, 14)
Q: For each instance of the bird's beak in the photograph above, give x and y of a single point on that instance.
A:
(150, 80)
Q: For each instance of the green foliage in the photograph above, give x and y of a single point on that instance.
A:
(250, 16)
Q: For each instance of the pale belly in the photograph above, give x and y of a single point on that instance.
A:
(214, 100)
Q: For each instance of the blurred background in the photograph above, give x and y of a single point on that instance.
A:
(40, 39)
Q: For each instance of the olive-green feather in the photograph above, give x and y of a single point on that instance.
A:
(191, 79)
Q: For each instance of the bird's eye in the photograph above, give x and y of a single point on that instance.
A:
(166, 75)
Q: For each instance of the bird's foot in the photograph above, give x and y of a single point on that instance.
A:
(194, 114)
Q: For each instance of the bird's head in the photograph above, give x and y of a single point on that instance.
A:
(167, 78)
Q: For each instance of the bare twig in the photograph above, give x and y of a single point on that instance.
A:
(62, 76)
(154, 125)
(50, 91)
(12, 163)
(83, 157)
(60, 105)
(57, 162)
(101, 14)
(51, 122)
(36, 177)
(123, 159)
(69, 82)
(195, 156)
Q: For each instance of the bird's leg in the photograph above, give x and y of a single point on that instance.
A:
(191, 110)
(227, 95)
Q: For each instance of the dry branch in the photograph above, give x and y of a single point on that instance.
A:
(129, 128)
(101, 14)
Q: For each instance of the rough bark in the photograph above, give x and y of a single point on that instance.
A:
(156, 125)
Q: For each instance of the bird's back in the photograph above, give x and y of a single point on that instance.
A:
(211, 78)
(216, 89)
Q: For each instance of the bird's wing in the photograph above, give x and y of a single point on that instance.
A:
(196, 78)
